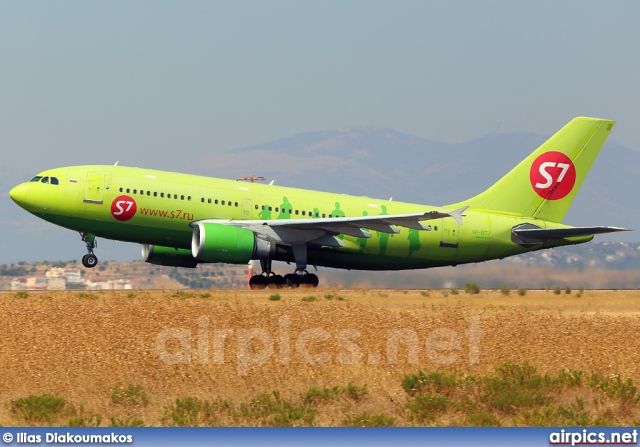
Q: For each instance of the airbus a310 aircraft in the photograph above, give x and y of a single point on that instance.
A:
(182, 220)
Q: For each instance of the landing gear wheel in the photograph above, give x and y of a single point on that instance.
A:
(90, 260)
(258, 282)
(276, 282)
(292, 280)
(310, 280)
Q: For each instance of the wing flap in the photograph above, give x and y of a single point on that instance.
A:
(348, 230)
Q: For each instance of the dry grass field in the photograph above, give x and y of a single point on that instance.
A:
(339, 358)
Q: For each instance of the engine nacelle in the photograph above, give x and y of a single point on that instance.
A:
(214, 242)
(173, 257)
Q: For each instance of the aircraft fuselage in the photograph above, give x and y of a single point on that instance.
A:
(157, 207)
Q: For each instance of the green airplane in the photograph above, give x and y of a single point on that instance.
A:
(182, 220)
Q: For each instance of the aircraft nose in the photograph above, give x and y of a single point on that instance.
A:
(19, 194)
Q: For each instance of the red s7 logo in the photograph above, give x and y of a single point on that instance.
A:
(543, 172)
(123, 208)
(552, 175)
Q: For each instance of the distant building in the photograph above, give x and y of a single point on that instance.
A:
(53, 279)
(17, 284)
(73, 276)
(55, 272)
(56, 284)
(36, 283)
(99, 283)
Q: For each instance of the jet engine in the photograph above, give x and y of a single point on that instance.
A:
(174, 257)
(213, 242)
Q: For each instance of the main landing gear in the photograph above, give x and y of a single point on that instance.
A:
(89, 260)
(292, 280)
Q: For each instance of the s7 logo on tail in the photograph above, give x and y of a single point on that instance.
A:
(545, 174)
(552, 175)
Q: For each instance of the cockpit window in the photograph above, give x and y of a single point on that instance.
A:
(36, 178)
(54, 180)
(45, 180)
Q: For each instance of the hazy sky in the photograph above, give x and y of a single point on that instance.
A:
(161, 84)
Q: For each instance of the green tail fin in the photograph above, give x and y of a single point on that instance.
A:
(545, 183)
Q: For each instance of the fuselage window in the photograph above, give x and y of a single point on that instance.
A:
(296, 212)
(276, 209)
(135, 191)
(168, 196)
(236, 204)
(256, 206)
(303, 213)
(323, 215)
(162, 195)
(155, 194)
(189, 199)
(148, 193)
(121, 190)
(175, 196)
(208, 200)
(222, 202)
(36, 178)
(45, 180)
(216, 201)
(181, 197)
(263, 207)
(128, 190)
(317, 214)
(54, 180)
(202, 200)
(229, 202)
(270, 209)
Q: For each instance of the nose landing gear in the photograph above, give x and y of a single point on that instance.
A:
(89, 260)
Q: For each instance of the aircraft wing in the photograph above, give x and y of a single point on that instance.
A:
(321, 231)
(543, 234)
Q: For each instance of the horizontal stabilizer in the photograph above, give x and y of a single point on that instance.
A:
(544, 234)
